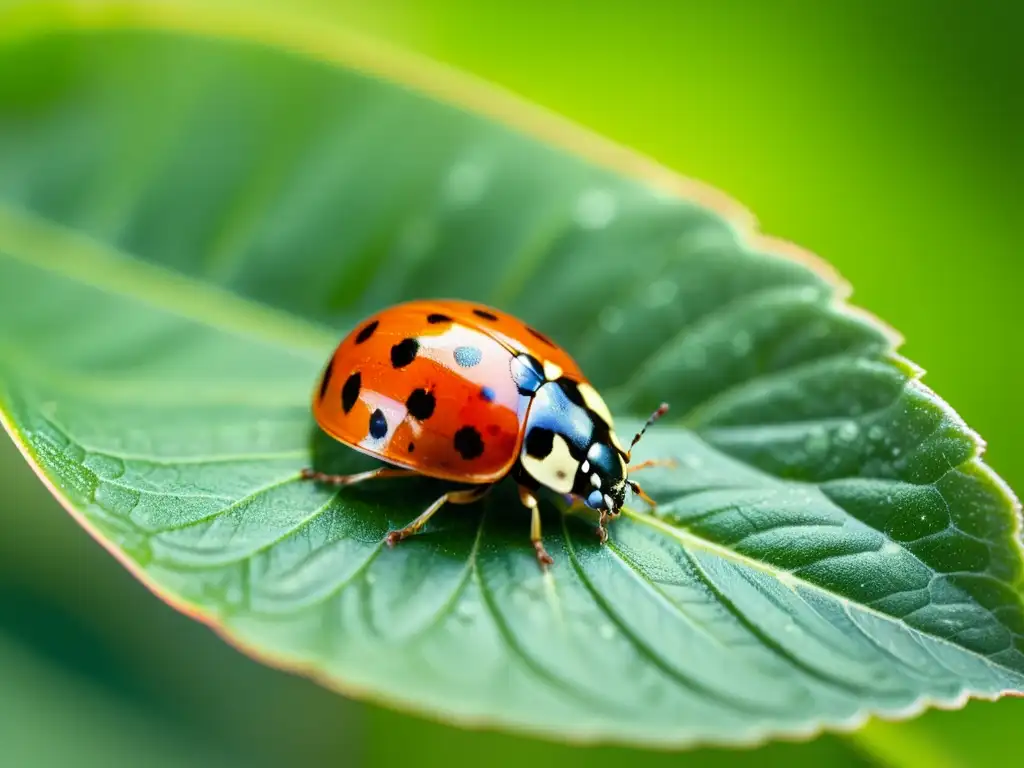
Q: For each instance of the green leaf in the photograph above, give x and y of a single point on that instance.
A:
(195, 207)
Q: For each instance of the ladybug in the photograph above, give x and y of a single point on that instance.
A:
(462, 392)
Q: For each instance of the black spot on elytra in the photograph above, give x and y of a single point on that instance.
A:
(367, 332)
(468, 443)
(486, 393)
(537, 334)
(467, 357)
(539, 442)
(325, 380)
(378, 425)
(350, 392)
(412, 447)
(421, 404)
(485, 314)
(404, 352)
(436, 317)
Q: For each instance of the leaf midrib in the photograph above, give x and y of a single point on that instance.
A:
(45, 244)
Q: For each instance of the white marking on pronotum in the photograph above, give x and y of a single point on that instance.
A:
(595, 403)
(615, 442)
(557, 470)
(551, 370)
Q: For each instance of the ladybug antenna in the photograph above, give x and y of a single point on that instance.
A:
(658, 413)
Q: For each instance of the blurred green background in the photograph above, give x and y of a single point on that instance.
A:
(886, 136)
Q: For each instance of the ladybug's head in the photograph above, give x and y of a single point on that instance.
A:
(607, 468)
(569, 446)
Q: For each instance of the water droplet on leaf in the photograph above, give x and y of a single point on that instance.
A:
(596, 209)
(661, 293)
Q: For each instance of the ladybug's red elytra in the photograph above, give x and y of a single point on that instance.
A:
(458, 391)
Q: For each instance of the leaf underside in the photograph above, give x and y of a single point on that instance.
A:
(188, 225)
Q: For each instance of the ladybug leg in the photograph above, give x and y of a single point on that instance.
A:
(454, 497)
(320, 477)
(653, 463)
(640, 492)
(602, 524)
(530, 502)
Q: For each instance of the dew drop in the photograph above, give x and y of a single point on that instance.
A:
(808, 294)
(661, 293)
(742, 343)
(465, 184)
(876, 432)
(816, 443)
(607, 631)
(596, 209)
(370, 579)
(465, 612)
(848, 431)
